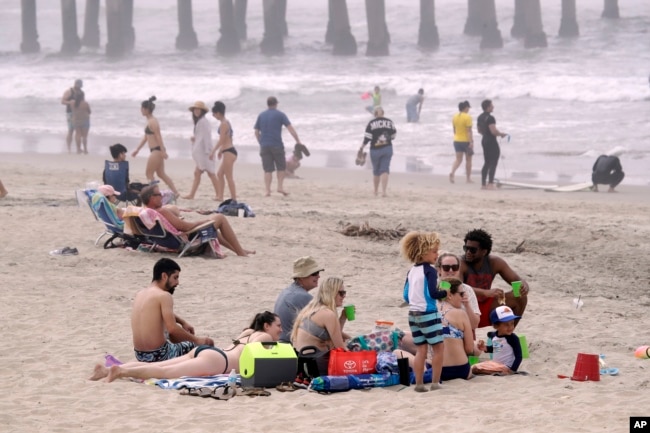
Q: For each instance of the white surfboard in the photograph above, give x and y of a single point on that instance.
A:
(501, 183)
(585, 186)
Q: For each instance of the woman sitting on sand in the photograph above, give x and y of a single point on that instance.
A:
(157, 151)
(457, 331)
(318, 325)
(203, 360)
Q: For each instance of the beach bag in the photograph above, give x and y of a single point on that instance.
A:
(308, 360)
(380, 341)
(343, 362)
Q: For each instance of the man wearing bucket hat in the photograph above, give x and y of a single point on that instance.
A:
(294, 298)
(201, 149)
(506, 346)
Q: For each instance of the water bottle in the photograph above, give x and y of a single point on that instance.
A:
(232, 379)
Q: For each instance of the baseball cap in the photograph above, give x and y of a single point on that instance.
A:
(107, 190)
(502, 314)
(305, 266)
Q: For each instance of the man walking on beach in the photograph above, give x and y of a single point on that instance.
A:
(268, 131)
(68, 100)
(158, 333)
(478, 268)
(294, 298)
(487, 127)
(463, 140)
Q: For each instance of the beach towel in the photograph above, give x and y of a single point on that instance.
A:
(191, 382)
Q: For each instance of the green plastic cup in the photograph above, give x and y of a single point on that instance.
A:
(524, 346)
(516, 288)
(473, 360)
(445, 285)
(349, 312)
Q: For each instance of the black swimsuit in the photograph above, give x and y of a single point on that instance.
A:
(203, 347)
(231, 150)
(153, 149)
(148, 131)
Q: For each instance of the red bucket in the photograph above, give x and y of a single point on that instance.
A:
(587, 368)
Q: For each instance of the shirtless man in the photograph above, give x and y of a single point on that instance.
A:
(68, 100)
(478, 269)
(152, 199)
(158, 333)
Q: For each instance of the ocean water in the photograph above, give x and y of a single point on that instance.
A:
(562, 105)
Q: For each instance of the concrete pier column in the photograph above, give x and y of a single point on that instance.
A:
(518, 29)
(569, 23)
(378, 36)
(115, 46)
(282, 6)
(273, 40)
(611, 10)
(240, 18)
(474, 20)
(228, 44)
(186, 39)
(91, 25)
(329, 32)
(127, 25)
(343, 41)
(428, 38)
(71, 42)
(490, 33)
(29, 43)
(535, 36)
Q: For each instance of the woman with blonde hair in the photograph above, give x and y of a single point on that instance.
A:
(157, 150)
(318, 324)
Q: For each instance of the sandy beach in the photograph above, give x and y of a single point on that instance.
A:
(62, 314)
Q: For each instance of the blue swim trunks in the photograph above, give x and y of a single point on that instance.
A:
(167, 351)
(426, 327)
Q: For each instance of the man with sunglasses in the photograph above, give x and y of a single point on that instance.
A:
(478, 269)
(294, 298)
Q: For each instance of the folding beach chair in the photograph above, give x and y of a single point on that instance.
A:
(192, 243)
(113, 227)
(116, 175)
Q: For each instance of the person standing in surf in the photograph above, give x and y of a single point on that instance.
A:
(158, 153)
(487, 127)
(463, 141)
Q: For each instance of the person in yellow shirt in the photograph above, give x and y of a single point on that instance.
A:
(463, 140)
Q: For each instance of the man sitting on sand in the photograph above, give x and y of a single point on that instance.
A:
(170, 218)
(478, 269)
(294, 298)
(158, 333)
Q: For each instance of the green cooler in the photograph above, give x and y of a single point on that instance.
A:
(267, 364)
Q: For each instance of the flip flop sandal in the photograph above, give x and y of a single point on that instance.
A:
(194, 392)
(285, 387)
(223, 392)
(610, 371)
(254, 392)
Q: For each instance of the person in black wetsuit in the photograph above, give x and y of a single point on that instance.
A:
(607, 170)
(487, 127)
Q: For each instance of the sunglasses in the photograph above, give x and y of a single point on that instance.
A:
(448, 268)
(315, 274)
(472, 250)
(342, 293)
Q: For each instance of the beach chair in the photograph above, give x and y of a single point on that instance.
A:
(113, 227)
(203, 238)
(116, 174)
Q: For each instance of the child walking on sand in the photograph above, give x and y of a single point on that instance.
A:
(505, 345)
(421, 292)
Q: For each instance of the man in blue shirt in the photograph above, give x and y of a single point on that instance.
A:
(268, 131)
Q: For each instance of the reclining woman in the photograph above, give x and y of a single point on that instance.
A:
(203, 360)
(458, 337)
(318, 325)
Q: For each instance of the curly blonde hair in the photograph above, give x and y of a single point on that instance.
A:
(326, 298)
(414, 245)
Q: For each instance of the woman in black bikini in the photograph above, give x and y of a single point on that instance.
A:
(201, 361)
(225, 151)
(158, 153)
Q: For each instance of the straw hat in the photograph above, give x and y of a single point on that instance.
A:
(305, 266)
(200, 105)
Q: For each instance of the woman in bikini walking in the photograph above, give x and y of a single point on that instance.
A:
(203, 360)
(158, 153)
(225, 151)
